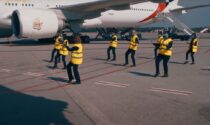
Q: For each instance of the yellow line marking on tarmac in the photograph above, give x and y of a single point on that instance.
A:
(171, 91)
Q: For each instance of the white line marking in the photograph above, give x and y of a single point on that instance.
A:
(6, 70)
(106, 84)
(121, 84)
(177, 92)
(172, 90)
(33, 74)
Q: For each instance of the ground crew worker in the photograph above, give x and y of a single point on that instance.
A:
(193, 48)
(57, 46)
(165, 52)
(133, 46)
(157, 44)
(63, 52)
(112, 47)
(76, 60)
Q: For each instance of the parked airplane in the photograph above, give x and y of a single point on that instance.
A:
(44, 18)
(143, 14)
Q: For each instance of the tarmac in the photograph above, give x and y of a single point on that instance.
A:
(31, 93)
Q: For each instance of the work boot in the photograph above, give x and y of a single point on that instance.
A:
(70, 81)
(113, 60)
(76, 83)
(165, 76)
(156, 75)
(125, 64)
(107, 59)
(54, 67)
(50, 61)
(133, 65)
(192, 63)
(186, 62)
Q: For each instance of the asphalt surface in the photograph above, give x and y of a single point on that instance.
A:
(31, 93)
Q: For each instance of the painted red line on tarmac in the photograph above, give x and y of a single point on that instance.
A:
(65, 85)
(58, 87)
(49, 89)
(99, 75)
(11, 76)
(17, 81)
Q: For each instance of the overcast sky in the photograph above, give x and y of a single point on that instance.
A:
(197, 17)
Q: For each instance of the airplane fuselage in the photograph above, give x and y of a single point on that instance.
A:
(136, 15)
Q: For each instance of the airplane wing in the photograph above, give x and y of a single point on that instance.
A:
(189, 8)
(100, 5)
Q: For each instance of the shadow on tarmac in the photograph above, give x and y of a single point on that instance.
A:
(114, 64)
(21, 109)
(45, 60)
(99, 59)
(180, 63)
(58, 79)
(205, 112)
(141, 74)
(26, 43)
(205, 69)
(144, 57)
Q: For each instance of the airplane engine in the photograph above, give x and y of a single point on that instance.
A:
(36, 23)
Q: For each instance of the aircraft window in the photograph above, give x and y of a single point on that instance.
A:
(26, 5)
(32, 5)
(9, 4)
(12, 4)
(22, 4)
(16, 4)
(29, 5)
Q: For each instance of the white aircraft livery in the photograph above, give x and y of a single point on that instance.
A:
(39, 19)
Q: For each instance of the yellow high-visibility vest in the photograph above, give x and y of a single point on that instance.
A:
(63, 50)
(195, 45)
(163, 50)
(160, 38)
(77, 56)
(57, 44)
(114, 43)
(133, 45)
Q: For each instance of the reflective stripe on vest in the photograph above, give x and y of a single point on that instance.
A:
(77, 56)
(64, 51)
(163, 47)
(114, 43)
(195, 45)
(133, 45)
(58, 45)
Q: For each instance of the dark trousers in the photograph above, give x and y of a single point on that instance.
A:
(132, 52)
(63, 60)
(113, 52)
(75, 70)
(165, 63)
(155, 51)
(192, 55)
(53, 54)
